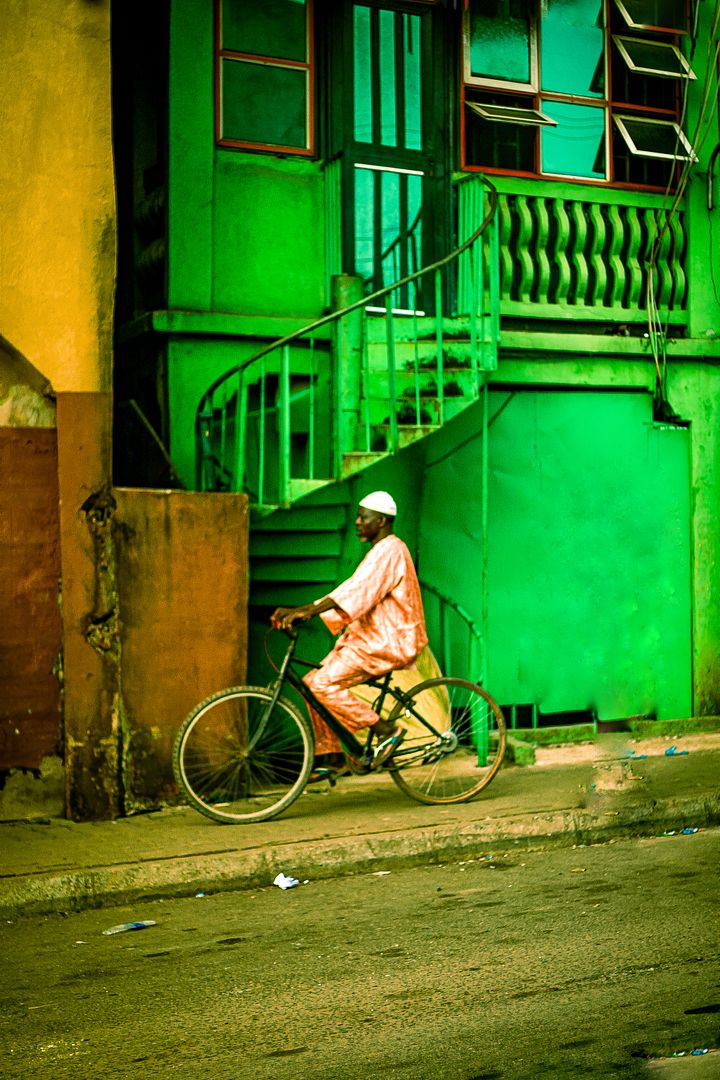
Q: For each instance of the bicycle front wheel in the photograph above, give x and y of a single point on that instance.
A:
(455, 741)
(236, 763)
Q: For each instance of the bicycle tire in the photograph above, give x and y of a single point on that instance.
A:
(458, 764)
(227, 776)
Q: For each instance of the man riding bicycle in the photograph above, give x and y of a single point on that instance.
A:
(379, 615)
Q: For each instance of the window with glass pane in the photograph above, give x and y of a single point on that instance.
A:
(388, 227)
(387, 100)
(657, 14)
(576, 146)
(573, 55)
(502, 42)
(497, 144)
(577, 62)
(265, 76)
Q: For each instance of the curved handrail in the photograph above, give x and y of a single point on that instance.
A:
(477, 637)
(364, 302)
(472, 625)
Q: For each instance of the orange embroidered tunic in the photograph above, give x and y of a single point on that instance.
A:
(381, 614)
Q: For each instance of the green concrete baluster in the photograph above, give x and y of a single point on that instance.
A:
(617, 267)
(439, 346)
(597, 295)
(579, 253)
(506, 263)
(632, 258)
(543, 263)
(665, 278)
(527, 267)
(562, 242)
(392, 392)
(677, 302)
(494, 268)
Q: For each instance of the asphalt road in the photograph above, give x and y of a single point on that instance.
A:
(587, 962)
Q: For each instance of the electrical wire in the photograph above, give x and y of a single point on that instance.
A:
(657, 332)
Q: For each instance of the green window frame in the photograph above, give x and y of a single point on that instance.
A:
(264, 76)
(541, 92)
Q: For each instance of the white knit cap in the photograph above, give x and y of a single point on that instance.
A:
(381, 502)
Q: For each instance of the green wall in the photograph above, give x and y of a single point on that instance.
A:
(588, 549)
(245, 231)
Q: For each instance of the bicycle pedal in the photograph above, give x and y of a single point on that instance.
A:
(318, 775)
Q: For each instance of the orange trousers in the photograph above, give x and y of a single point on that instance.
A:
(330, 685)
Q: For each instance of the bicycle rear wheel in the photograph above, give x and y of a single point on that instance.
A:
(235, 765)
(455, 741)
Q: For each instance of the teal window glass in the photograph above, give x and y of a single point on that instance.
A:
(576, 147)
(274, 28)
(364, 223)
(388, 105)
(362, 83)
(414, 201)
(413, 83)
(500, 40)
(390, 221)
(572, 57)
(264, 104)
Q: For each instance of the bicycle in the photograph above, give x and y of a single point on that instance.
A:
(244, 754)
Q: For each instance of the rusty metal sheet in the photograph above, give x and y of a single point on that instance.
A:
(182, 584)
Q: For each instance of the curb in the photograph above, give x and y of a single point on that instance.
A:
(80, 890)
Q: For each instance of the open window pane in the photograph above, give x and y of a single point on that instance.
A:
(264, 104)
(658, 14)
(274, 28)
(500, 144)
(507, 114)
(572, 50)
(653, 58)
(576, 147)
(501, 38)
(660, 139)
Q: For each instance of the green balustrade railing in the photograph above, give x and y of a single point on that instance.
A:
(314, 406)
(566, 252)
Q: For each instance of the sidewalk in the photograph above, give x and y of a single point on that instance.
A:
(571, 795)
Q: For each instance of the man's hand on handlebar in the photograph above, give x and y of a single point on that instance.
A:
(283, 618)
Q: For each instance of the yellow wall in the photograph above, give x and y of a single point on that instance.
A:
(57, 211)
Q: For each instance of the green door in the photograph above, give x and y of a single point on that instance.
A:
(393, 140)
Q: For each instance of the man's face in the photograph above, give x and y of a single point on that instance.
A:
(368, 524)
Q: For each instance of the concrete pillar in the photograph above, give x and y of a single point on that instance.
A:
(347, 359)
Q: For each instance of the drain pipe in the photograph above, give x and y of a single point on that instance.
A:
(711, 170)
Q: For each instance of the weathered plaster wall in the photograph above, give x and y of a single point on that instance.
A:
(695, 393)
(57, 274)
(57, 211)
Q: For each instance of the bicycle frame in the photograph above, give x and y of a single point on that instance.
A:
(287, 674)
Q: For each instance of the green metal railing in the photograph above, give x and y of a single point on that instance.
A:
(456, 637)
(298, 412)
